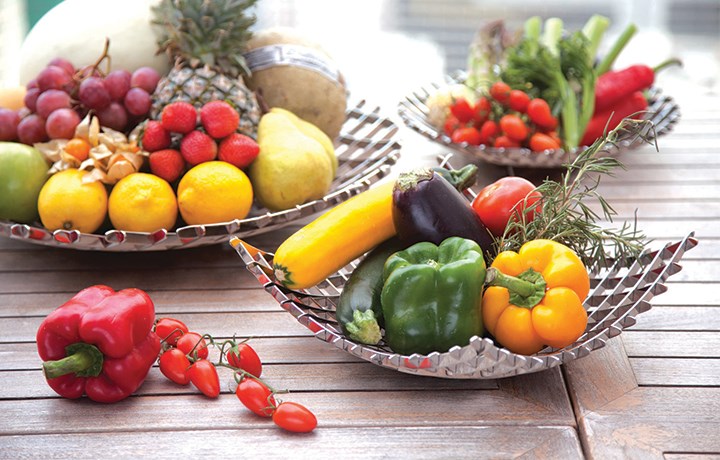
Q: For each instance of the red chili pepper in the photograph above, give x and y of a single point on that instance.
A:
(612, 87)
(611, 118)
(99, 343)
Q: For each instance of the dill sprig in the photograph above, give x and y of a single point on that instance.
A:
(563, 215)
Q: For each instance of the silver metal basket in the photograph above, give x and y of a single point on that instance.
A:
(662, 111)
(619, 293)
(366, 150)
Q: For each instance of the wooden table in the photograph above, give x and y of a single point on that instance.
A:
(653, 392)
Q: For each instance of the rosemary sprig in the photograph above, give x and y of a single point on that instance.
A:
(562, 214)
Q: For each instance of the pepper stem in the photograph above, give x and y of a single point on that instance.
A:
(526, 289)
(83, 360)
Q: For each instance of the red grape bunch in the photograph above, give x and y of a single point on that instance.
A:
(61, 96)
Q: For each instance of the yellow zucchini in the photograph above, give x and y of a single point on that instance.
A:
(336, 238)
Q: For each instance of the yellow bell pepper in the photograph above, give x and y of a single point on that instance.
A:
(535, 296)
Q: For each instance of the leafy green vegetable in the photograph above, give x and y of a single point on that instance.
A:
(558, 69)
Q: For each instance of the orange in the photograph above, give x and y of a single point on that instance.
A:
(214, 192)
(142, 202)
(66, 202)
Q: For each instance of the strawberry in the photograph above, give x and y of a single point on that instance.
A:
(197, 147)
(238, 150)
(155, 137)
(167, 164)
(179, 117)
(219, 119)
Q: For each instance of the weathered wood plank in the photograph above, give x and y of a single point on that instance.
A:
(272, 350)
(686, 372)
(229, 301)
(648, 421)
(671, 344)
(599, 378)
(254, 324)
(688, 318)
(263, 440)
(333, 409)
(305, 377)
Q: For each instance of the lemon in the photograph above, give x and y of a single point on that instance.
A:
(65, 202)
(142, 202)
(213, 192)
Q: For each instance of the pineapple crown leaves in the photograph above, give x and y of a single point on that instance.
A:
(206, 33)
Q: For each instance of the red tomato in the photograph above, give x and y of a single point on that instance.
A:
(540, 142)
(519, 100)
(497, 203)
(482, 110)
(451, 124)
(488, 131)
(170, 329)
(462, 110)
(256, 396)
(470, 135)
(539, 113)
(500, 91)
(174, 365)
(204, 376)
(505, 142)
(243, 356)
(294, 417)
(514, 127)
(193, 344)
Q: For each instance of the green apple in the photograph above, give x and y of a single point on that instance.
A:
(23, 171)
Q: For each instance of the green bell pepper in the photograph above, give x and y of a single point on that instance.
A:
(432, 296)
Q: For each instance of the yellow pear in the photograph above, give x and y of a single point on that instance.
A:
(312, 131)
(296, 162)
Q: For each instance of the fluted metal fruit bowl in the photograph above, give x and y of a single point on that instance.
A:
(366, 150)
(620, 291)
(662, 110)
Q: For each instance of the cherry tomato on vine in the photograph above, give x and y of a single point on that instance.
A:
(514, 127)
(244, 357)
(488, 131)
(256, 396)
(482, 109)
(204, 377)
(294, 417)
(174, 365)
(496, 203)
(500, 91)
(505, 142)
(187, 344)
(451, 124)
(469, 134)
(539, 113)
(462, 110)
(518, 100)
(540, 142)
(170, 330)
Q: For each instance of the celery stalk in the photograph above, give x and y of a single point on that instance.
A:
(552, 34)
(594, 30)
(617, 47)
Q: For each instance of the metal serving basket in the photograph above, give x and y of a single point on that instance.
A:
(619, 292)
(413, 110)
(366, 150)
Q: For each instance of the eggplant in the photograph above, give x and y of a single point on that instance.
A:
(427, 207)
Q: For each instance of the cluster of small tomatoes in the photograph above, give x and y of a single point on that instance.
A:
(185, 359)
(504, 118)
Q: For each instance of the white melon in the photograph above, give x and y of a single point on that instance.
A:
(76, 30)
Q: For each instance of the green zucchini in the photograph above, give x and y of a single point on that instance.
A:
(358, 310)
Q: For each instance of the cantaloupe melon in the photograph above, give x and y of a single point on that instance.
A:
(76, 30)
(316, 95)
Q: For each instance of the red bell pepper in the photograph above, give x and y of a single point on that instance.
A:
(612, 87)
(611, 118)
(99, 343)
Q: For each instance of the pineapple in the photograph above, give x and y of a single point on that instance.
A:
(206, 40)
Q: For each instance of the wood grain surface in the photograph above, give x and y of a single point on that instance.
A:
(652, 392)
